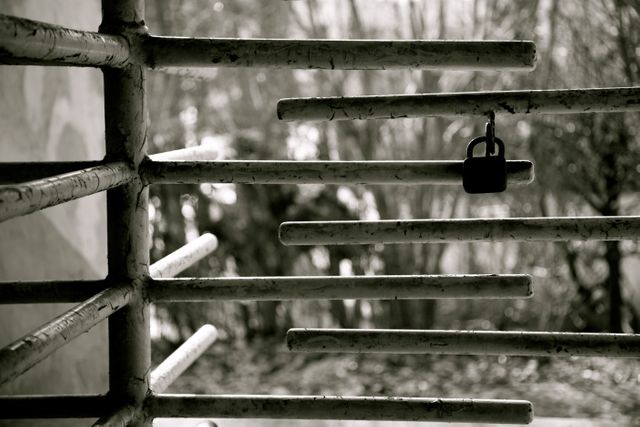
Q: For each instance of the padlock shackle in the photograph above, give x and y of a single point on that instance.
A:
(480, 139)
(490, 132)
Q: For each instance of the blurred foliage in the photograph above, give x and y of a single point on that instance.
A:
(585, 164)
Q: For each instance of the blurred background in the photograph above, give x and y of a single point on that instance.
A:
(585, 165)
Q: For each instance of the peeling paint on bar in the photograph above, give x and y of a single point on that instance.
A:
(555, 101)
(126, 117)
(184, 356)
(341, 287)
(517, 55)
(341, 408)
(49, 292)
(318, 172)
(460, 230)
(185, 257)
(50, 406)
(27, 197)
(121, 417)
(27, 42)
(556, 344)
(24, 353)
(19, 172)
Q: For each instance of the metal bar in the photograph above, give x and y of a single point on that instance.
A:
(518, 343)
(24, 353)
(27, 197)
(341, 287)
(555, 101)
(460, 230)
(16, 172)
(339, 54)
(27, 42)
(185, 257)
(59, 406)
(121, 417)
(49, 292)
(178, 362)
(318, 172)
(342, 408)
(200, 152)
(127, 216)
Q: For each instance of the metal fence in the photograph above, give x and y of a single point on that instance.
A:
(125, 51)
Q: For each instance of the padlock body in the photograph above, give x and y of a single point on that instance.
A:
(486, 174)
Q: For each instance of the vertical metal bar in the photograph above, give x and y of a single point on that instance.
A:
(125, 123)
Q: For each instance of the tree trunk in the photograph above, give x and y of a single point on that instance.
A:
(613, 258)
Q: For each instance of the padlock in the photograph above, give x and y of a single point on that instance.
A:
(486, 174)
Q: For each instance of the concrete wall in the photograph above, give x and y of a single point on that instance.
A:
(54, 114)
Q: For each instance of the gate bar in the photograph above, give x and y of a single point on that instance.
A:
(178, 362)
(19, 356)
(319, 172)
(554, 101)
(341, 407)
(341, 287)
(27, 42)
(49, 292)
(200, 152)
(183, 258)
(127, 213)
(557, 344)
(162, 52)
(17, 172)
(21, 199)
(80, 290)
(460, 230)
(53, 406)
(121, 417)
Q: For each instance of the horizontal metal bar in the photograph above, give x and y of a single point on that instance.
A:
(317, 172)
(200, 152)
(17, 172)
(555, 101)
(185, 257)
(24, 353)
(27, 197)
(27, 42)
(463, 342)
(49, 292)
(460, 230)
(340, 54)
(342, 408)
(342, 287)
(80, 290)
(174, 365)
(123, 416)
(58, 406)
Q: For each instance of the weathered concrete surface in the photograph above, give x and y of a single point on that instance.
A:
(54, 114)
